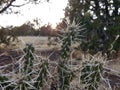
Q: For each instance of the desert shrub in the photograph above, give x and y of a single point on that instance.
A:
(5, 37)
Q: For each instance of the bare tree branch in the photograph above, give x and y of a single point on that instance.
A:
(20, 5)
(10, 3)
(7, 6)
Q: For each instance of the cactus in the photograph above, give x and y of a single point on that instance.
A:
(42, 75)
(29, 58)
(65, 76)
(91, 74)
(29, 76)
(71, 36)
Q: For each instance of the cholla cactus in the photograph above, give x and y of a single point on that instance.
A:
(29, 58)
(30, 76)
(92, 69)
(65, 76)
(71, 35)
(28, 68)
(42, 75)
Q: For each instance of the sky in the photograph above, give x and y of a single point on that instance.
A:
(51, 12)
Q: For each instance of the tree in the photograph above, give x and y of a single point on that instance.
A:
(61, 25)
(24, 30)
(5, 38)
(46, 30)
(8, 4)
(101, 18)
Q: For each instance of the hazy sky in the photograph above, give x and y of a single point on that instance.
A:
(48, 13)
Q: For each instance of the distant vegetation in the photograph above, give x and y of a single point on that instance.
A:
(28, 30)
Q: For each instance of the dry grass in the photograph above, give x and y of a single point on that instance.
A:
(40, 43)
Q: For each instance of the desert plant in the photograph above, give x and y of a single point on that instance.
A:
(91, 74)
(29, 58)
(28, 68)
(65, 76)
(71, 35)
(30, 76)
(42, 75)
(5, 38)
(102, 25)
(36, 72)
(2, 80)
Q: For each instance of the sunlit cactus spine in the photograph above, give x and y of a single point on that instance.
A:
(91, 74)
